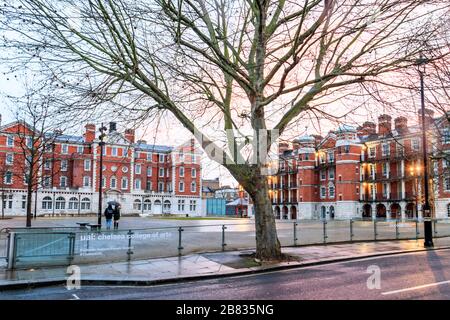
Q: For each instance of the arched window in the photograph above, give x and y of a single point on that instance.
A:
(73, 203)
(167, 204)
(47, 203)
(157, 202)
(137, 204)
(124, 182)
(85, 204)
(113, 183)
(60, 203)
(147, 205)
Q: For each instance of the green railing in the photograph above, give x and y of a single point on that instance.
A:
(41, 246)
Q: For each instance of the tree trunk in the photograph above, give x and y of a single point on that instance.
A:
(267, 244)
(29, 198)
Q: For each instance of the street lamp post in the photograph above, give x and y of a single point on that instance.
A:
(428, 227)
(100, 186)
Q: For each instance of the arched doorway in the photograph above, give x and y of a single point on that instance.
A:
(410, 210)
(323, 212)
(157, 207)
(331, 212)
(367, 211)
(294, 212)
(277, 212)
(285, 212)
(395, 211)
(381, 211)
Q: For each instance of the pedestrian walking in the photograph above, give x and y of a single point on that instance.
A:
(116, 216)
(109, 212)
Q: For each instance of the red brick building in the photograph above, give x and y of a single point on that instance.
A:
(364, 172)
(144, 178)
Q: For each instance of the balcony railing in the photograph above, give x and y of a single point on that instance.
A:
(393, 196)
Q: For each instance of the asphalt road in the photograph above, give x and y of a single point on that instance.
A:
(423, 275)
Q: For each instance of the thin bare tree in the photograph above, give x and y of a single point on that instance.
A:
(225, 69)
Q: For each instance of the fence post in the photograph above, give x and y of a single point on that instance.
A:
(129, 252)
(375, 229)
(180, 248)
(397, 230)
(223, 237)
(295, 234)
(71, 246)
(325, 231)
(351, 230)
(11, 257)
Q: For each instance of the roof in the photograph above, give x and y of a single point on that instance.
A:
(152, 147)
(238, 202)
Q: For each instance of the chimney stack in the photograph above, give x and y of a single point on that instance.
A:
(401, 124)
(428, 117)
(368, 128)
(89, 135)
(129, 135)
(384, 124)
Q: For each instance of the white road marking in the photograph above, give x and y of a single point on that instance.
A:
(434, 284)
(75, 296)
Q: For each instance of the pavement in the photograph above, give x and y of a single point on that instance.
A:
(208, 265)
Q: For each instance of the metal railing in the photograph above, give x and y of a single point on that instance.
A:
(50, 247)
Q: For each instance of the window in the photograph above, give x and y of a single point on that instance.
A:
(64, 165)
(114, 151)
(180, 205)
(161, 158)
(193, 205)
(10, 141)
(181, 156)
(87, 165)
(385, 149)
(149, 171)
(167, 205)
(347, 149)
(137, 205)
(73, 203)
(24, 202)
(124, 184)
(113, 183)
(160, 187)
(372, 170)
(85, 204)
(63, 182)
(330, 157)
(46, 182)
(323, 175)
(181, 186)
(147, 205)
(447, 183)
(47, 164)
(323, 192)
(8, 177)
(124, 169)
(104, 150)
(9, 158)
(385, 169)
(169, 187)
(372, 152)
(181, 171)
(149, 156)
(446, 136)
(193, 172)
(47, 203)
(161, 172)
(137, 184)
(64, 149)
(193, 187)
(137, 169)
(10, 201)
(400, 150)
(148, 185)
(385, 189)
(415, 145)
(331, 174)
(331, 192)
(80, 149)
(86, 181)
(28, 142)
(60, 203)
(26, 178)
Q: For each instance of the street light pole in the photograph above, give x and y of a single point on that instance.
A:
(100, 186)
(426, 209)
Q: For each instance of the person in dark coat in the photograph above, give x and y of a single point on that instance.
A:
(116, 216)
(109, 212)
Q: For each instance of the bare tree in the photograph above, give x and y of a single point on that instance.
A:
(225, 69)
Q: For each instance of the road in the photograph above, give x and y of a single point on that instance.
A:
(422, 275)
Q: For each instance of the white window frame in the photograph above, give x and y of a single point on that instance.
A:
(61, 184)
(138, 184)
(181, 171)
(385, 149)
(9, 159)
(159, 173)
(88, 180)
(331, 195)
(64, 148)
(111, 184)
(415, 143)
(137, 168)
(374, 149)
(181, 186)
(65, 166)
(193, 186)
(114, 151)
(193, 172)
(80, 149)
(87, 164)
(124, 183)
(323, 192)
(161, 158)
(10, 140)
(149, 171)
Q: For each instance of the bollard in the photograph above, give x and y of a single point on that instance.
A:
(295, 234)
(374, 229)
(223, 237)
(129, 252)
(417, 229)
(180, 248)
(434, 227)
(397, 230)
(325, 231)
(351, 230)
